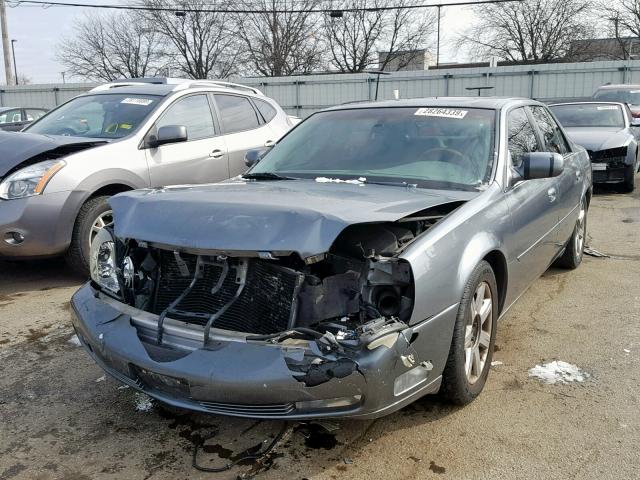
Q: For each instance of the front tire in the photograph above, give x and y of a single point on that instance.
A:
(574, 251)
(94, 215)
(628, 185)
(474, 336)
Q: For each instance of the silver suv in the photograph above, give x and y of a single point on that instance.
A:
(57, 175)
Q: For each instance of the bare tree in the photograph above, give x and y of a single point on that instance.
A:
(282, 38)
(112, 47)
(624, 25)
(529, 30)
(365, 30)
(205, 43)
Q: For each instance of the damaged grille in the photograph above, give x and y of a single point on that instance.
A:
(249, 410)
(266, 304)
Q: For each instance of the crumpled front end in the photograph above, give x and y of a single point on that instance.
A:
(267, 336)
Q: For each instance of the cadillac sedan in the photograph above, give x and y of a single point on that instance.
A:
(609, 133)
(361, 263)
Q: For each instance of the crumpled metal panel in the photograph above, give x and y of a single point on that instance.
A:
(300, 216)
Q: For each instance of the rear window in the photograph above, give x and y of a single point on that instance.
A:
(589, 115)
(622, 95)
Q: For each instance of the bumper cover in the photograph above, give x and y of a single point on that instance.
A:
(232, 376)
(45, 221)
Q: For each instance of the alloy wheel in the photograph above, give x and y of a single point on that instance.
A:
(105, 219)
(478, 332)
(580, 231)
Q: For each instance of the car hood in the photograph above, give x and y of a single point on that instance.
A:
(300, 216)
(600, 138)
(17, 148)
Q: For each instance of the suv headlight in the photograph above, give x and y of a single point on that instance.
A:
(102, 261)
(29, 181)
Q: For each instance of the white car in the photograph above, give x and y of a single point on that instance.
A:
(57, 175)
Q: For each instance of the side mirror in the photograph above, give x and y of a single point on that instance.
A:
(251, 157)
(541, 165)
(168, 134)
(635, 122)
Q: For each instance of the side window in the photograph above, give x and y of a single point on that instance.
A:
(551, 134)
(521, 136)
(237, 113)
(10, 116)
(194, 113)
(33, 114)
(265, 109)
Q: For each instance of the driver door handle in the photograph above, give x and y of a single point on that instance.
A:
(552, 193)
(269, 143)
(217, 154)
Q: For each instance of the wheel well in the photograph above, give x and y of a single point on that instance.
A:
(588, 196)
(111, 189)
(498, 263)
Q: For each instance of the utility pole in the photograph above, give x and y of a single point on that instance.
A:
(15, 65)
(5, 44)
(62, 73)
(438, 41)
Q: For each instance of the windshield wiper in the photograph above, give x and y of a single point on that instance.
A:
(391, 184)
(266, 176)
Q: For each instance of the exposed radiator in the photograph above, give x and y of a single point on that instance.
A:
(266, 304)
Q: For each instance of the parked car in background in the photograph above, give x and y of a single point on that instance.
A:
(629, 94)
(362, 263)
(610, 135)
(56, 176)
(14, 119)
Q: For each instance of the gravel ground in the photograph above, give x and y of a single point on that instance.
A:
(62, 419)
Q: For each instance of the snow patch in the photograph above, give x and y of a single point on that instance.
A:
(558, 372)
(101, 379)
(496, 363)
(143, 402)
(74, 341)
(355, 181)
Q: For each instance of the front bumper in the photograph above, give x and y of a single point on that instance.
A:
(44, 221)
(233, 376)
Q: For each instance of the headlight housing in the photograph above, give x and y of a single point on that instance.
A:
(102, 261)
(30, 181)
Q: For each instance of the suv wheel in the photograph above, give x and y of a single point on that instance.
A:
(94, 215)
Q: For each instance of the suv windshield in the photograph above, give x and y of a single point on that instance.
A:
(618, 95)
(431, 147)
(97, 116)
(589, 115)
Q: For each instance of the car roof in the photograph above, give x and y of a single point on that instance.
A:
(619, 86)
(619, 104)
(4, 109)
(494, 103)
(139, 89)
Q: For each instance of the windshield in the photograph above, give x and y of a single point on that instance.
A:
(589, 115)
(430, 147)
(97, 116)
(621, 95)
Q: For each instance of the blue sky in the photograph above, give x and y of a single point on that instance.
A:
(38, 31)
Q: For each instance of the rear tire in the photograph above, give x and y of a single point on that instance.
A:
(574, 251)
(474, 336)
(628, 185)
(94, 214)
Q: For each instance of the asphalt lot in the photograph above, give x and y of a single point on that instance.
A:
(62, 419)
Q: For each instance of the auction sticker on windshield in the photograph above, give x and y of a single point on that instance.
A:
(137, 101)
(441, 112)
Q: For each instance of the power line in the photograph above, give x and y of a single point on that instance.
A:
(178, 8)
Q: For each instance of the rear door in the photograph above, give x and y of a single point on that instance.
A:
(531, 245)
(202, 158)
(244, 129)
(569, 183)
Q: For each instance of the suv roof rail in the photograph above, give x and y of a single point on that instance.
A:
(128, 82)
(217, 83)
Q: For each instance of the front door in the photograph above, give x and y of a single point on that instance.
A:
(202, 158)
(531, 243)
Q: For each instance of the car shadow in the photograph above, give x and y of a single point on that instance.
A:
(33, 275)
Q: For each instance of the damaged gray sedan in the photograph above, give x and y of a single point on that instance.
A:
(361, 263)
